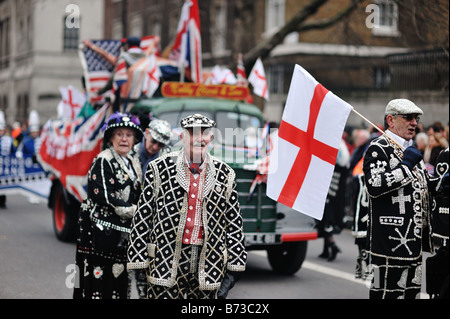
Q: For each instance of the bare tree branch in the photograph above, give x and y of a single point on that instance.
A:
(325, 23)
(263, 49)
(297, 23)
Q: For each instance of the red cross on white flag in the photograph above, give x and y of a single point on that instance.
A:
(302, 163)
(71, 102)
(257, 78)
(143, 78)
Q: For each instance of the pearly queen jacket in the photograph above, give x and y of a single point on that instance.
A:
(158, 224)
(399, 203)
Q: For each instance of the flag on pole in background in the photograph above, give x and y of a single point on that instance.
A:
(221, 76)
(144, 77)
(187, 48)
(262, 163)
(241, 75)
(71, 103)
(69, 147)
(147, 41)
(97, 70)
(120, 76)
(257, 78)
(302, 163)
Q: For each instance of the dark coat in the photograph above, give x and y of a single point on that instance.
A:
(399, 203)
(158, 225)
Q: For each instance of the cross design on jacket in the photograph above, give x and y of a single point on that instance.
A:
(401, 199)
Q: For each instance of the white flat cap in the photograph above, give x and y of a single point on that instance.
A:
(402, 106)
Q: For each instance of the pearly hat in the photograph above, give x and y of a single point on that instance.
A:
(160, 131)
(33, 121)
(402, 106)
(117, 120)
(197, 120)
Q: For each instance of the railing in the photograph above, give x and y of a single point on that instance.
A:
(421, 70)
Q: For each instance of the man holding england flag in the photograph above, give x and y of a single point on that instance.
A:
(400, 191)
(398, 184)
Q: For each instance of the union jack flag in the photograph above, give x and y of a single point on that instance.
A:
(187, 48)
(97, 70)
(69, 147)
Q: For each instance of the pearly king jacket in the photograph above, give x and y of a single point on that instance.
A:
(113, 193)
(399, 203)
(158, 224)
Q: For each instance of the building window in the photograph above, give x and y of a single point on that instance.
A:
(22, 108)
(276, 79)
(136, 26)
(71, 34)
(387, 22)
(220, 27)
(4, 43)
(381, 77)
(116, 29)
(275, 15)
(3, 103)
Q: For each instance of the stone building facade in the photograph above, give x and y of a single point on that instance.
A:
(39, 52)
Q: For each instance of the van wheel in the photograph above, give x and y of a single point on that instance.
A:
(64, 216)
(287, 258)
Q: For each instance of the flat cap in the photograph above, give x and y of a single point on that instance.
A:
(197, 120)
(160, 131)
(402, 106)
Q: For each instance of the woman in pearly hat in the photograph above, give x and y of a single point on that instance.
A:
(114, 186)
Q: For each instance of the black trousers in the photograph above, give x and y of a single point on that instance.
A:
(187, 283)
(395, 279)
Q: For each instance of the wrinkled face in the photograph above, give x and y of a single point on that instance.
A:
(122, 140)
(404, 125)
(151, 145)
(195, 141)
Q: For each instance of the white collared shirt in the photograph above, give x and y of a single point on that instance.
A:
(400, 140)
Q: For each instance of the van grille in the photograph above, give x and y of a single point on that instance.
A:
(258, 211)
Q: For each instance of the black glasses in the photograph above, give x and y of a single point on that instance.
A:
(410, 117)
(153, 141)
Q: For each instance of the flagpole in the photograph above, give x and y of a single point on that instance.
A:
(379, 130)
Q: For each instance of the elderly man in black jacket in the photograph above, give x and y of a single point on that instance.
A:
(187, 231)
(399, 189)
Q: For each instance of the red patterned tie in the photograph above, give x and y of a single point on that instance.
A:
(194, 168)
